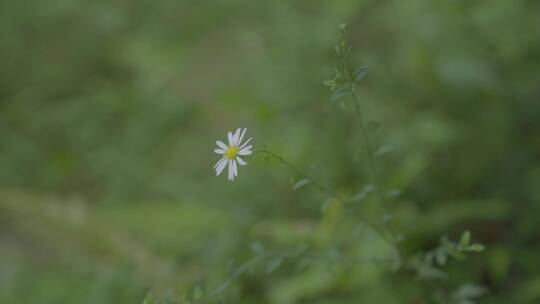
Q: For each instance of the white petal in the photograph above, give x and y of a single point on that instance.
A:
(236, 136)
(219, 161)
(247, 141)
(219, 151)
(231, 138)
(242, 136)
(235, 168)
(220, 166)
(231, 172)
(222, 145)
(246, 150)
(241, 161)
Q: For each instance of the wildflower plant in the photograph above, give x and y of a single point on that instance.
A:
(424, 265)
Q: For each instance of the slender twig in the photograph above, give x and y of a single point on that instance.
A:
(322, 188)
(362, 125)
(344, 55)
(388, 237)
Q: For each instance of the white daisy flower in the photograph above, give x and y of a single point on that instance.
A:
(231, 153)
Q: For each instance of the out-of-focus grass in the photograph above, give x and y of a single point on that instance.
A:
(159, 244)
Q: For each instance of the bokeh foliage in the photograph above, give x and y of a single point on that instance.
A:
(109, 111)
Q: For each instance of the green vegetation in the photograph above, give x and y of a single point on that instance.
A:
(109, 113)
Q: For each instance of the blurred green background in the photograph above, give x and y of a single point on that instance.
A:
(109, 112)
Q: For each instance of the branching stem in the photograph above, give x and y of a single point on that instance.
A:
(360, 120)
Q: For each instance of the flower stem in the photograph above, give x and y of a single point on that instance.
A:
(388, 237)
(322, 188)
(362, 125)
(344, 55)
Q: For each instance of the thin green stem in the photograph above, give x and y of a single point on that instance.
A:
(322, 188)
(362, 125)
(388, 237)
(369, 149)
(363, 130)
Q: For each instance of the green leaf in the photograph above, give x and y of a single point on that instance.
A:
(360, 73)
(257, 247)
(465, 239)
(301, 183)
(339, 93)
(330, 83)
(477, 247)
(468, 291)
(274, 265)
(426, 271)
(383, 150)
(393, 193)
(363, 193)
(387, 218)
(440, 257)
(337, 48)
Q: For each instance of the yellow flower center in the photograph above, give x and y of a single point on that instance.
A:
(231, 152)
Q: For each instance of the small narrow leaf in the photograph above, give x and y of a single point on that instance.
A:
(338, 50)
(339, 93)
(363, 193)
(469, 291)
(477, 247)
(257, 247)
(428, 272)
(440, 257)
(301, 183)
(465, 238)
(384, 150)
(393, 193)
(360, 73)
(325, 204)
(387, 218)
(274, 265)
